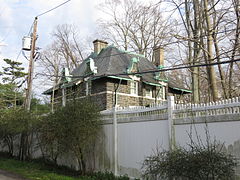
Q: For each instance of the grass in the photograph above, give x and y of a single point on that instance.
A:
(33, 170)
(38, 170)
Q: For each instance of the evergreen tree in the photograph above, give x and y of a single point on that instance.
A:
(12, 72)
(12, 75)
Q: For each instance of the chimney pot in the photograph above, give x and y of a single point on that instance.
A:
(99, 45)
(158, 54)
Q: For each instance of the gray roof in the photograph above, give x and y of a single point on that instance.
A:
(114, 62)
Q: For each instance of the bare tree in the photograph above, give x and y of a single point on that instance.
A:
(210, 57)
(68, 44)
(135, 26)
(209, 32)
(64, 51)
(236, 45)
(51, 63)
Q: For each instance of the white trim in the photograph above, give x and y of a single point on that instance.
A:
(163, 92)
(150, 91)
(135, 78)
(122, 94)
(133, 87)
(78, 82)
(86, 78)
(86, 88)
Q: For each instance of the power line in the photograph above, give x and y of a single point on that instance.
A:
(134, 52)
(5, 37)
(38, 16)
(19, 54)
(153, 70)
(183, 39)
(30, 30)
(53, 8)
(21, 48)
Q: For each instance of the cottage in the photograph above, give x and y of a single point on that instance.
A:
(110, 75)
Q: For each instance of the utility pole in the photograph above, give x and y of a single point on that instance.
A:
(31, 67)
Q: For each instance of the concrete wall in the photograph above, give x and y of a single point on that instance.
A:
(137, 140)
(228, 133)
(139, 136)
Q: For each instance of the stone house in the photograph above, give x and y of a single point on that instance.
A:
(110, 75)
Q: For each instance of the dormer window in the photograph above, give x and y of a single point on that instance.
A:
(91, 68)
(134, 87)
(133, 66)
(66, 77)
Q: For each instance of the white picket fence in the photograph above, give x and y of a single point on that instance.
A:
(229, 106)
(130, 133)
(179, 111)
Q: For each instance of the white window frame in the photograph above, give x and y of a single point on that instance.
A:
(149, 92)
(161, 93)
(134, 87)
(88, 87)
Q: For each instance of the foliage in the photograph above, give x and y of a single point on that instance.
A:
(9, 96)
(12, 72)
(39, 108)
(73, 128)
(195, 163)
(14, 122)
(9, 89)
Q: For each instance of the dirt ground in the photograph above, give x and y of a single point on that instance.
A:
(4, 175)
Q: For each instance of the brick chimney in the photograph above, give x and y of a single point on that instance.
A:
(158, 55)
(99, 45)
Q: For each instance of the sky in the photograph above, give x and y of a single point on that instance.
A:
(17, 16)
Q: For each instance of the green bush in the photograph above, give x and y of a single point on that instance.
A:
(71, 129)
(15, 122)
(197, 162)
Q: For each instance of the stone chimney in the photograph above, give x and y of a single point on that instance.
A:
(158, 55)
(99, 45)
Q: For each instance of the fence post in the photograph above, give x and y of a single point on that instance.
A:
(171, 128)
(115, 141)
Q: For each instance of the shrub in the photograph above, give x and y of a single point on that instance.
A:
(15, 122)
(197, 162)
(73, 128)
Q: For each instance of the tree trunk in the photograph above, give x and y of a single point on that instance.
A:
(212, 74)
(221, 72)
(235, 46)
(217, 51)
(195, 70)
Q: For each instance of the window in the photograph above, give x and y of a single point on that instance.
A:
(149, 92)
(161, 93)
(134, 87)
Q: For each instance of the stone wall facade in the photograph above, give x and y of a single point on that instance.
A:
(102, 92)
